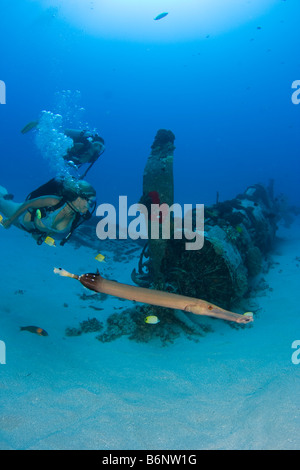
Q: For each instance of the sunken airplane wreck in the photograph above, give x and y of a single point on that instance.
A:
(238, 236)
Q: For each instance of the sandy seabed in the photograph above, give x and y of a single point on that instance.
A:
(234, 389)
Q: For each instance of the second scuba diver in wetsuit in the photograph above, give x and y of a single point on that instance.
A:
(87, 147)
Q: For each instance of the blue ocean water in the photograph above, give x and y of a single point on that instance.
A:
(227, 98)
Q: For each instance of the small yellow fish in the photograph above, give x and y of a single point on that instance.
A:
(100, 258)
(38, 214)
(1, 219)
(50, 241)
(152, 320)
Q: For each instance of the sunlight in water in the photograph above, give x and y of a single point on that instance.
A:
(134, 19)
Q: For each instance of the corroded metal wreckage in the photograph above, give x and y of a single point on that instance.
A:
(238, 234)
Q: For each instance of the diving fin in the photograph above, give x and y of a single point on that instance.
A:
(8, 197)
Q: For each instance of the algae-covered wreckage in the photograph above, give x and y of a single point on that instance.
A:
(238, 235)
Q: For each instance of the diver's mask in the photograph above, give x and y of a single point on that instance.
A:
(92, 203)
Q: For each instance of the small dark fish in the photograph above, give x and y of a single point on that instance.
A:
(160, 16)
(29, 126)
(34, 329)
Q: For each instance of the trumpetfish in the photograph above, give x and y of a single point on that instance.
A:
(97, 283)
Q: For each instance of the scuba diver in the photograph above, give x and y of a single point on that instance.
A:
(55, 209)
(87, 147)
